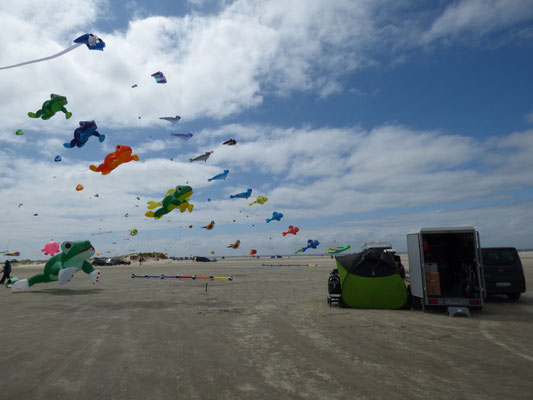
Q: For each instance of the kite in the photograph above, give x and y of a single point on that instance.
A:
(57, 159)
(96, 195)
(159, 77)
(235, 245)
(134, 85)
(21, 204)
(19, 132)
(260, 200)
(223, 175)
(337, 249)
(162, 276)
(212, 251)
(230, 142)
(289, 265)
(184, 136)
(122, 154)
(51, 248)
(311, 244)
(101, 233)
(126, 215)
(50, 107)
(64, 265)
(252, 252)
(172, 120)
(203, 157)
(209, 226)
(133, 232)
(93, 43)
(35, 215)
(292, 229)
(243, 195)
(83, 133)
(276, 216)
(174, 198)
(11, 254)
(79, 187)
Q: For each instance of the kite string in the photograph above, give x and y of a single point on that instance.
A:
(45, 58)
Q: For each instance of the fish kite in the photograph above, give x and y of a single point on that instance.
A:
(243, 195)
(230, 142)
(11, 254)
(83, 133)
(172, 120)
(235, 245)
(51, 248)
(311, 244)
(184, 136)
(203, 157)
(337, 249)
(174, 198)
(292, 229)
(50, 107)
(122, 154)
(209, 226)
(93, 43)
(259, 200)
(223, 175)
(159, 77)
(276, 216)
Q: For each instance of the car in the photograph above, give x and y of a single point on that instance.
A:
(503, 272)
(99, 261)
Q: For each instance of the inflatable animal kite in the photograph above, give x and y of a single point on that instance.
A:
(175, 198)
(93, 43)
(292, 229)
(230, 142)
(311, 244)
(50, 107)
(57, 159)
(51, 248)
(184, 136)
(79, 187)
(260, 200)
(243, 195)
(337, 249)
(159, 77)
(133, 232)
(276, 216)
(209, 226)
(223, 175)
(203, 157)
(235, 245)
(19, 132)
(172, 120)
(64, 265)
(83, 133)
(122, 154)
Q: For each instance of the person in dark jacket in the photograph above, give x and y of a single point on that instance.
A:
(6, 271)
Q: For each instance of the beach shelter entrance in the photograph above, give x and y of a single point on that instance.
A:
(371, 279)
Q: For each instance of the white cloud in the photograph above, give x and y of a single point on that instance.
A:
(479, 17)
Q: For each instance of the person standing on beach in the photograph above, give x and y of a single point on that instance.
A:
(140, 261)
(6, 271)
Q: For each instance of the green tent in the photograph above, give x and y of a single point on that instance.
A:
(371, 279)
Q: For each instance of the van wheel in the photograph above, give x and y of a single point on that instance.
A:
(513, 296)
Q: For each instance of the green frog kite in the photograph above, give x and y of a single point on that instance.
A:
(175, 198)
(50, 107)
(63, 266)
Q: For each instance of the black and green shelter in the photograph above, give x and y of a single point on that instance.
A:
(371, 279)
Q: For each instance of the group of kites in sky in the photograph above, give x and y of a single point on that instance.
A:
(175, 198)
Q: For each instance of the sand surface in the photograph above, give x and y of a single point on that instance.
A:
(269, 334)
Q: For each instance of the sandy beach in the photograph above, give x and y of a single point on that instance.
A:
(268, 334)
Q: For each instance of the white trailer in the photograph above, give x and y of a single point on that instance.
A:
(445, 268)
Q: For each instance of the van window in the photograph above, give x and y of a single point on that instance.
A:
(499, 256)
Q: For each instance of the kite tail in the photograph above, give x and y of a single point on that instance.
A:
(93, 168)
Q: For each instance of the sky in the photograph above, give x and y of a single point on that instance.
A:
(359, 120)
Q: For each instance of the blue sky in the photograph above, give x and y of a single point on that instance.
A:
(358, 120)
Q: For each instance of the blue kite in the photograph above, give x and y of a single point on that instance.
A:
(276, 216)
(159, 77)
(243, 195)
(184, 136)
(311, 244)
(223, 175)
(83, 133)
